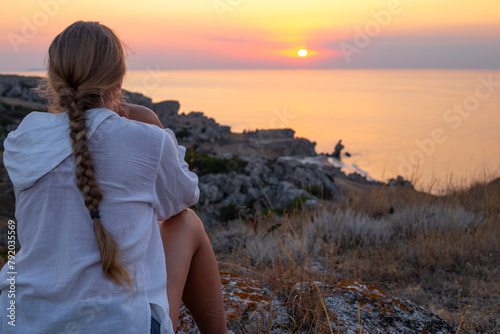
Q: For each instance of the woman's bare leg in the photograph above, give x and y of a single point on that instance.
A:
(192, 272)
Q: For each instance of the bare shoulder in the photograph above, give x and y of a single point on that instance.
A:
(142, 114)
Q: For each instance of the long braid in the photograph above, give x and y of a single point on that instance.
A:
(85, 69)
(76, 103)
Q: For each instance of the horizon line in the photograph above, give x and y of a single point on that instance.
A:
(283, 69)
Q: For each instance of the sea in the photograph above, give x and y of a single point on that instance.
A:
(438, 128)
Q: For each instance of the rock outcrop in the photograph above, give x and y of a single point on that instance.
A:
(287, 183)
(137, 98)
(281, 142)
(343, 307)
(167, 110)
(400, 182)
(269, 134)
(13, 86)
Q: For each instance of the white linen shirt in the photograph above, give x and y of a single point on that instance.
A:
(59, 283)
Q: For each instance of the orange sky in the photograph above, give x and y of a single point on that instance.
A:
(265, 33)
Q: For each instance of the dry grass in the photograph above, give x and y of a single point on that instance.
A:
(440, 252)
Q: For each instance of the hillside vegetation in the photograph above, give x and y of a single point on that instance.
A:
(439, 252)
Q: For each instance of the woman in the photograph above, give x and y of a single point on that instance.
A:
(90, 188)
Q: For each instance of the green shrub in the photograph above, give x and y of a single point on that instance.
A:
(229, 212)
(206, 164)
(268, 212)
(319, 192)
(297, 203)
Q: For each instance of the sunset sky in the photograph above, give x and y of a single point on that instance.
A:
(246, 34)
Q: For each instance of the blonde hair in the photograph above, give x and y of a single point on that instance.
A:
(86, 65)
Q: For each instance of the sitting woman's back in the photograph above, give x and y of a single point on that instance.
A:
(138, 166)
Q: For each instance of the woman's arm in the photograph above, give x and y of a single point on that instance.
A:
(141, 114)
(173, 171)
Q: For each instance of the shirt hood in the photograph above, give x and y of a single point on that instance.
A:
(41, 142)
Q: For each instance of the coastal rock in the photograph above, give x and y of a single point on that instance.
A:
(285, 194)
(338, 150)
(314, 307)
(259, 187)
(400, 182)
(168, 114)
(226, 189)
(258, 169)
(281, 142)
(201, 129)
(269, 134)
(285, 184)
(166, 110)
(13, 86)
(308, 175)
(362, 179)
(138, 98)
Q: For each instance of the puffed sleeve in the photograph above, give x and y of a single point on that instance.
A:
(176, 188)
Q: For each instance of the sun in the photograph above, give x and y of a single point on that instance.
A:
(302, 52)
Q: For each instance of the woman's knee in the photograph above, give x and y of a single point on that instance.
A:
(186, 223)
